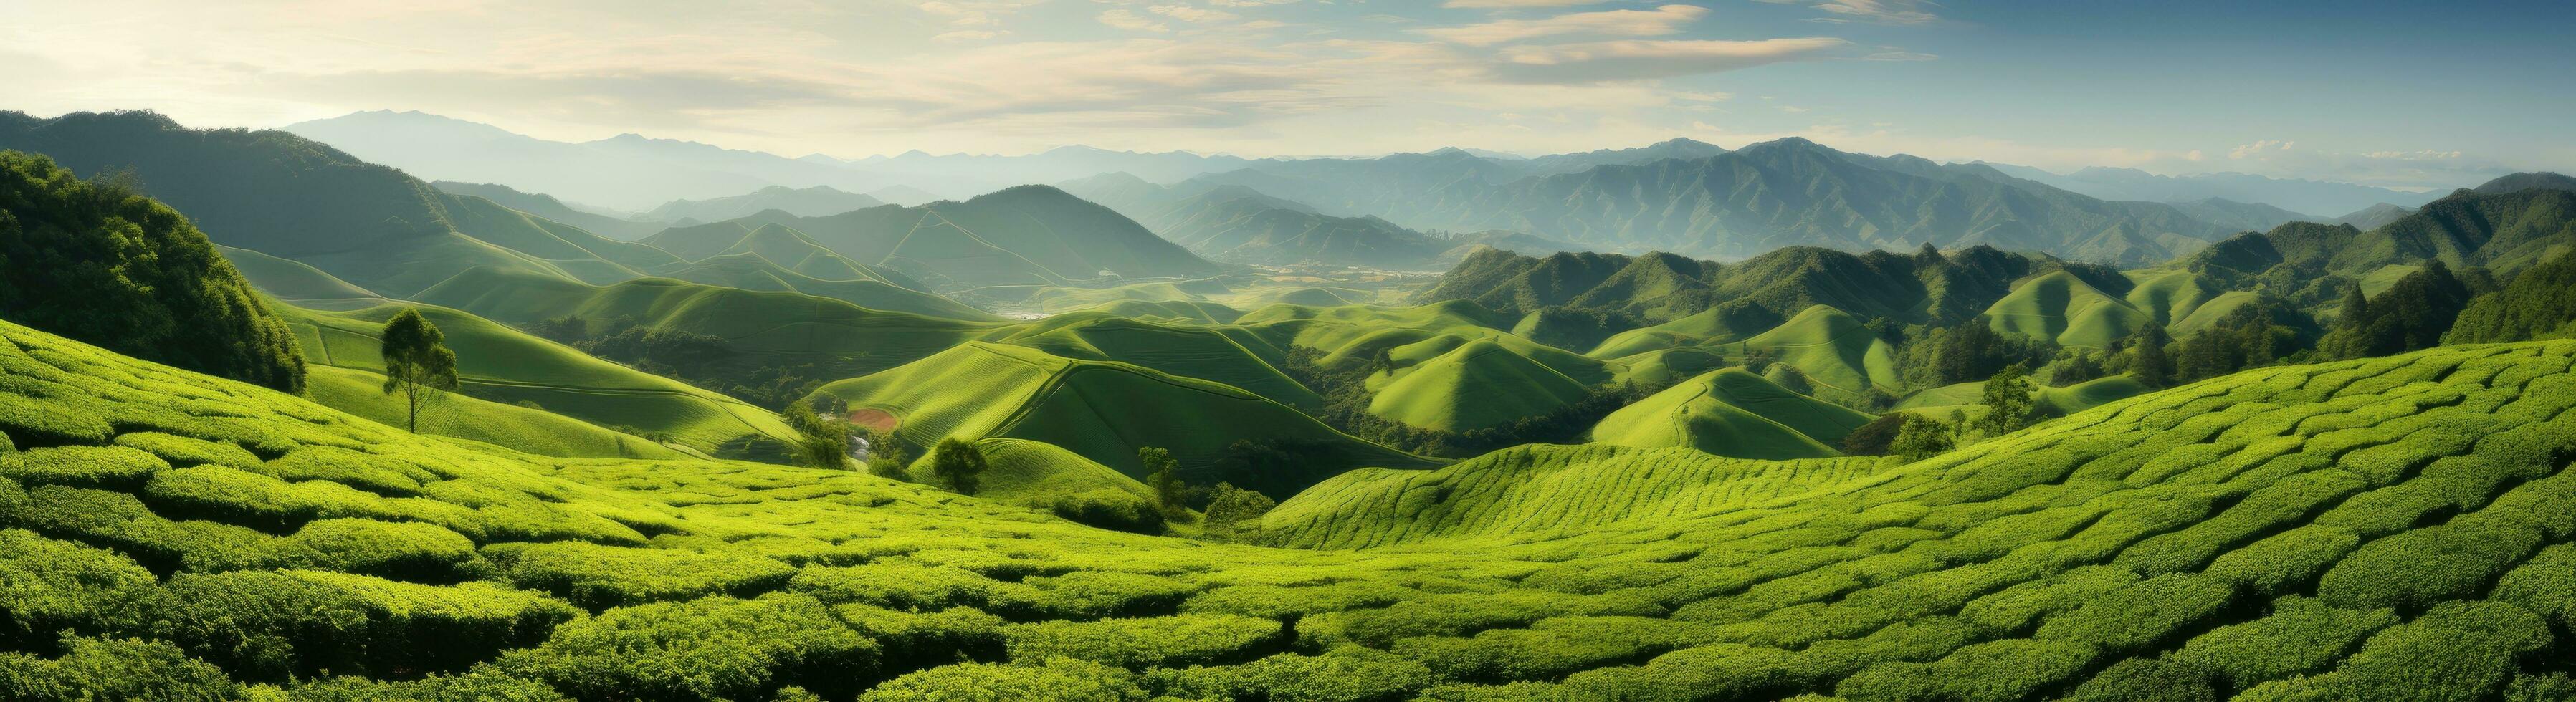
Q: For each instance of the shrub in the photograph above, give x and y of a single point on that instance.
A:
(1288, 603)
(2300, 637)
(1154, 641)
(2414, 569)
(1552, 648)
(909, 586)
(2016, 608)
(117, 520)
(1468, 613)
(2143, 616)
(404, 551)
(476, 686)
(31, 421)
(1109, 508)
(1344, 674)
(715, 648)
(2284, 562)
(2459, 651)
(104, 669)
(274, 624)
(47, 586)
(918, 640)
(81, 466)
(1092, 594)
(1052, 680)
(2012, 669)
(598, 577)
(184, 451)
(2546, 585)
(1715, 672)
(2147, 680)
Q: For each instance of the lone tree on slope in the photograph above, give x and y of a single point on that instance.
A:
(959, 463)
(417, 363)
(1163, 474)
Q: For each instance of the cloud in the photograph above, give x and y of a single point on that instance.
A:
(1871, 11)
(1656, 22)
(1516, 4)
(1187, 13)
(1123, 19)
(968, 35)
(1899, 55)
(2256, 149)
(1640, 59)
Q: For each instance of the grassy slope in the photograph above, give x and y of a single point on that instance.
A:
(1476, 385)
(2378, 529)
(508, 365)
(1732, 413)
(1838, 353)
(536, 431)
(291, 280)
(1102, 410)
(1188, 351)
(775, 327)
(2063, 308)
(2047, 401)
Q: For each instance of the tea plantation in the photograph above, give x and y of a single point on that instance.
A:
(2386, 529)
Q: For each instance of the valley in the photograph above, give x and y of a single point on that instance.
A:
(1679, 422)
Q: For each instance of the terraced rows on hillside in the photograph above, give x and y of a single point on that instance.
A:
(2391, 528)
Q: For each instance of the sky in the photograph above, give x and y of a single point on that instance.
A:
(2407, 94)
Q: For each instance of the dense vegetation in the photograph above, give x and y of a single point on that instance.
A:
(2371, 529)
(97, 261)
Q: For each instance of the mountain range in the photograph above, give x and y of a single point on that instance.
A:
(2309, 197)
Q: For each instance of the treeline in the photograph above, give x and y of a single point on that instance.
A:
(97, 261)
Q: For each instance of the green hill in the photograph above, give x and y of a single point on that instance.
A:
(533, 430)
(1732, 413)
(2387, 528)
(546, 206)
(286, 196)
(1187, 351)
(1531, 493)
(749, 271)
(1043, 477)
(1937, 288)
(507, 366)
(1029, 235)
(99, 262)
(816, 201)
(293, 280)
(1478, 384)
(2045, 401)
(1103, 411)
(2061, 308)
(1839, 354)
(762, 329)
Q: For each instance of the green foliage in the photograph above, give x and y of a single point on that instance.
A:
(1189, 639)
(99, 262)
(417, 363)
(1920, 438)
(959, 464)
(1051, 680)
(1163, 476)
(715, 648)
(600, 577)
(2539, 303)
(1235, 514)
(81, 466)
(2007, 401)
(2411, 315)
(114, 669)
(822, 441)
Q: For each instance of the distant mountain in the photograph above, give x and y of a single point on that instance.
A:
(1028, 235)
(2313, 197)
(543, 205)
(1753, 295)
(627, 171)
(2240, 216)
(2528, 181)
(287, 196)
(1239, 224)
(1790, 192)
(1685, 149)
(2503, 232)
(2374, 216)
(816, 201)
(905, 195)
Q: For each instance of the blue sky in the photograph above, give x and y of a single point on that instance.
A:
(2402, 94)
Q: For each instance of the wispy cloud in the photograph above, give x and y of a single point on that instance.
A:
(1660, 21)
(1872, 11)
(1638, 59)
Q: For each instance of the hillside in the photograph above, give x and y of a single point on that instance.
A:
(1477, 385)
(1766, 196)
(1105, 411)
(1735, 413)
(1029, 235)
(99, 262)
(2377, 529)
(775, 257)
(1942, 287)
(2504, 232)
(815, 201)
(546, 206)
(506, 366)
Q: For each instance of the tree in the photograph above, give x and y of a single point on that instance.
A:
(1757, 360)
(2076, 366)
(822, 439)
(1876, 437)
(2153, 367)
(1163, 474)
(887, 459)
(1234, 514)
(2007, 401)
(418, 363)
(959, 463)
(1920, 438)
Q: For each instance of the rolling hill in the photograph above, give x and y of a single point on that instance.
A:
(815, 201)
(1735, 413)
(546, 206)
(289, 197)
(506, 366)
(1103, 411)
(1029, 235)
(2376, 529)
(1477, 385)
